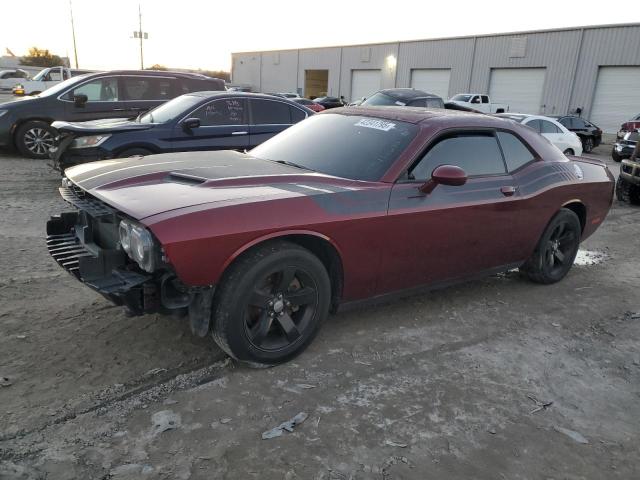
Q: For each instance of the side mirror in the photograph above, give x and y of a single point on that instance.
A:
(190, 123)
(444, 175)
(79, 100)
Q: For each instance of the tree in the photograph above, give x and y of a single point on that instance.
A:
(41, 58)
(226, 76)
(157, 66)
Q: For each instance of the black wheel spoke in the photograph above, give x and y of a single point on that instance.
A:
(304, 296)
(559, 255)
(261, 328)
(559, 231)
(567, 237)
(290, 329)
(285, 280)
(259, 299)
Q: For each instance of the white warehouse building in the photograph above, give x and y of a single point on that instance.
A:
(553, 72)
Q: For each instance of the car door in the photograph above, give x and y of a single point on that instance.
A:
(454, 231)
(223, 126)
(270, 117)
(103, 100)
(140, 93)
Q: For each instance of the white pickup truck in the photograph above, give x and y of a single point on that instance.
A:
(44, 79)
(477, 101)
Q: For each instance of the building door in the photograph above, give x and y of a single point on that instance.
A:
(316, 83)
(432, 80)
(364, 83)
(616, 98)
(519, 88)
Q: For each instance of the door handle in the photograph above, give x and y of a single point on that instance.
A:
(119, 109)
(239, 133)
(508, 191)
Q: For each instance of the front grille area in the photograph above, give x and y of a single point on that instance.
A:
(80, 199)
(67, 251)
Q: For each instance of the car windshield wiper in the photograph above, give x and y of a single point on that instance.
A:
(292, 164)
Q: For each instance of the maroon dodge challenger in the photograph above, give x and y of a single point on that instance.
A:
(350, 205)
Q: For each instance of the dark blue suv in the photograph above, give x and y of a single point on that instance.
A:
(195, 121)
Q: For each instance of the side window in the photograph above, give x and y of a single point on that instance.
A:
(475, 99)
(548, 127)
(229, 111)
(421, 102)
(535, 124)
(137, 88)
(100, 90)
(297, 115)
(476, 153)
(579, 123)
(567, 122)
(435, 103)
(516, 154)
(270, 112)
(485, 98)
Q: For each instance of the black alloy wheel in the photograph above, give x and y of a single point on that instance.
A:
(556, 250)
(587, 144)
(270, 303)
(280, 308)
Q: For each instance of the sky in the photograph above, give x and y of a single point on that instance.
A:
(204, 33)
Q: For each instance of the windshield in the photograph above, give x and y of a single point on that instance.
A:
(59, 87)
(40, 74)
(632, 136)
(355, 147)
(461, 98)
(381, 99)
(170, 110)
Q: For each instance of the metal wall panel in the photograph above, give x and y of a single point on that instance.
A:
(601, 47)
(454, 54)
(279, 71)
(571, 57)
(245, 70)
(368, 57)
(321, 59)
(555, 51)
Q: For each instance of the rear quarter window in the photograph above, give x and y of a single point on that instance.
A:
(516, 154)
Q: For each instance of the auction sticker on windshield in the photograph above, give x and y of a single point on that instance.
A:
(377, 124)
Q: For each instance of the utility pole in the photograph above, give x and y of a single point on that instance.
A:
(141, 35)
(73, 32)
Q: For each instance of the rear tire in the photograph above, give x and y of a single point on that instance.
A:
(270, 304)
(628, 193)
(615, 156)
(569, 151)
(587, 144)
(134, 152)
(557, 249)
(34, 138)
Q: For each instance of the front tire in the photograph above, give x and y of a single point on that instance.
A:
(587, 144)
(626, 192)
(270, 303)
(557, 249)
(616, 158)
(34, 139)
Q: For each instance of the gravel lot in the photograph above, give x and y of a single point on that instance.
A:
(436, 386)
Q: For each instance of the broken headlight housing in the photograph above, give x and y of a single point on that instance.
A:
(89, 141)
(139, 245)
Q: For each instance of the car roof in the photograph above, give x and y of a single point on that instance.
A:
(156, 73)
(418, 115)
(407, 93)
(231, 93)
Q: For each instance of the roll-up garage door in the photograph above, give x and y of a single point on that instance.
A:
(616, 98)
(520, 88)
(432, 80)
(364, 83)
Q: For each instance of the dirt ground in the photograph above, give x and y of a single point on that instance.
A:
(437, 386)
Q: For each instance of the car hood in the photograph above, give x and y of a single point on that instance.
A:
(18, 102)
(145, 186)
(108, 125)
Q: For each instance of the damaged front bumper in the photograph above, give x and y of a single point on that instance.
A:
(86, 244)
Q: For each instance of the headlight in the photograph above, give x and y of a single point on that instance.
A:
(89, 141)
(138, 243)
(2, 112)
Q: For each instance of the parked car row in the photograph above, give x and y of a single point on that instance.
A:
(26, 122)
